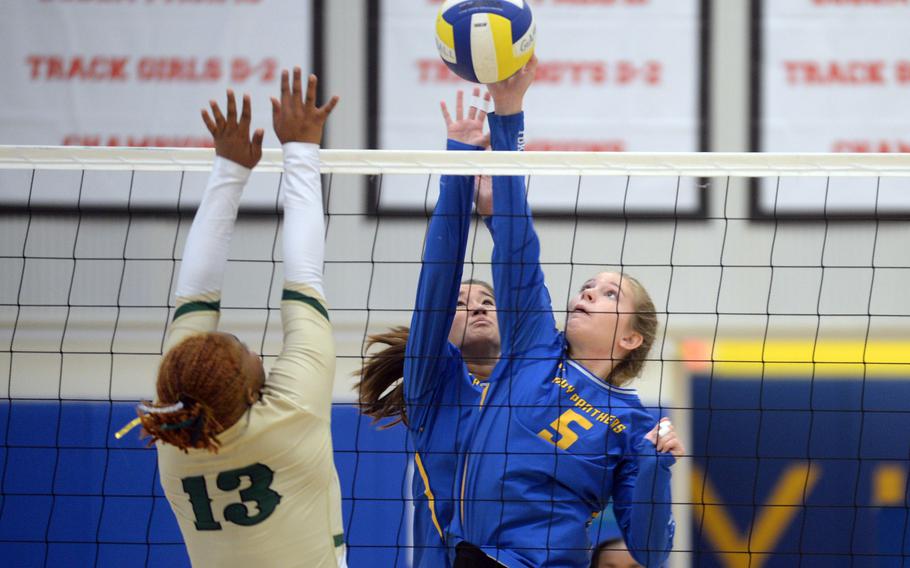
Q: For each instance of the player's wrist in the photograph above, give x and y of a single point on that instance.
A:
(456, 144)
(230, 168)
(508, 108)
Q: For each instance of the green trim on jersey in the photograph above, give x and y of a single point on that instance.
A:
(191, 307)
(339, 539)
(309, 300)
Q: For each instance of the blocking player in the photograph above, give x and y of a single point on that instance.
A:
(246, 458)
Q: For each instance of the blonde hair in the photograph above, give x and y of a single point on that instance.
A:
(644, 321)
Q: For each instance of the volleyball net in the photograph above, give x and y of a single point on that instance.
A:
(783, 353)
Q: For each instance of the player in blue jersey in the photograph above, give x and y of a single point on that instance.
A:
(560, 434)
(445, 357)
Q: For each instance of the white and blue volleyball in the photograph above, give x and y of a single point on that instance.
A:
(485, 41)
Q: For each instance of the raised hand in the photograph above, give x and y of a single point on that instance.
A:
(664, 438)
(467, 130)
(297, 119)
(232, 136)
(508, 95)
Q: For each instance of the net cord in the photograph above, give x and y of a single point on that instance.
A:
(373, 162)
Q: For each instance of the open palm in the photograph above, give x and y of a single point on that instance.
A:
(466, 129)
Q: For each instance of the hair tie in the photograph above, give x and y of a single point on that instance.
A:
(180, 425)
(176, 407)
(145, 409)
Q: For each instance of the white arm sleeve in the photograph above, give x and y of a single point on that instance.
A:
(303, 237)
(206, 251)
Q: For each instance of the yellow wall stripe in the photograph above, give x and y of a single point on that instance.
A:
(829, 358)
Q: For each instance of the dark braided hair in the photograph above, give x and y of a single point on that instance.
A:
(201, 392)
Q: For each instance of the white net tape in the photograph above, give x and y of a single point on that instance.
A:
(490, 163)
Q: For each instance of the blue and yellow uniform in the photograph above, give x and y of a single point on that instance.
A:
(440, 394)
(553, 443)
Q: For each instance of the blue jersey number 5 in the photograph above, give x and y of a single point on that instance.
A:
(565, 436)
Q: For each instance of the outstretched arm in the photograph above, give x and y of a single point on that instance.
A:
(299, 124)
(206, 250)
(305, 370)
(523, 302)
(428, 349)
(641, 495)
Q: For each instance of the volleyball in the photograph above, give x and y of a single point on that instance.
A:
(485, 41)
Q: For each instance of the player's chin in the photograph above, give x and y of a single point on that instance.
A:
(480, 333)
(575, 326)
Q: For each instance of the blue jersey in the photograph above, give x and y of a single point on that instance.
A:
(440, 395)
(553, 443)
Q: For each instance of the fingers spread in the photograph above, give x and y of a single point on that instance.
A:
(329, 106)
(231, 107)
(472, 112)
(216, 112)
(209, 123)
(310, 91)
(482, 115)
(459, 105)
(285, 88)
(246, 110)
(445, 112)
(258, 135)
(298, 86)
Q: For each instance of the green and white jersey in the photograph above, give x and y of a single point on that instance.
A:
(270, 496)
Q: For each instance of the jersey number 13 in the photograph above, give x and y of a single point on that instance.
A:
(259, 493)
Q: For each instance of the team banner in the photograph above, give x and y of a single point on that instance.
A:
(137, 72)
(616, 76)
(792, 461)
(834, 77)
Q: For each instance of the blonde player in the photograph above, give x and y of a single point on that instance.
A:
(246, 459)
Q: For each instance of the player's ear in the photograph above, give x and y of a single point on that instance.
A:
(631, 341)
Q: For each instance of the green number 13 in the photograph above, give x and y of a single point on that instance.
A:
(259, 493)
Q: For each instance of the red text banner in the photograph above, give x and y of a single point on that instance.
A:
(834, 77)
(614, 75)
(137, 72)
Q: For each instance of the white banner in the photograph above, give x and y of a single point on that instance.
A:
(835, 77)
(137, 72)
(622, 75)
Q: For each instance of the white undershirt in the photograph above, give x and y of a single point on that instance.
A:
(303, 238)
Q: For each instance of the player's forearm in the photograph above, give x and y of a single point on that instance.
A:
(513, 230)
(440, 279)
(448, 228)
(206, 251)
(517, 276)
(443, 255)
(650, 537)
(303, 236)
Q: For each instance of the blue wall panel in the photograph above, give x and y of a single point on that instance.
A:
(72, 495)
(839, 447)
